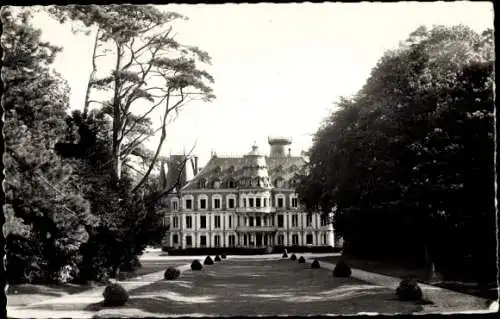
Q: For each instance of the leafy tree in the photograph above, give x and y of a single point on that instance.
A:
(151, 70)
(46, 215)
(401, 160)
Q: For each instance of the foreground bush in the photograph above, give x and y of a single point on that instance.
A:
(223, 256)
(342, 269)
(196, 265)
(315, 264)
(284, 255)
(115, 295)
(217, 258)
(302, 260)
(171, 273)
(208, 261)
(409, 290)
(293, 257)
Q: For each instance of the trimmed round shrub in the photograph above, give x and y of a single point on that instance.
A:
(341, 269)
(115, 295)
(315, 264)
(223, 256)
(208, 261)
(217, 258)
(284, 255)
(293, 257)
(171, 273)
(409, 290)
(302, 260)
(196, 265)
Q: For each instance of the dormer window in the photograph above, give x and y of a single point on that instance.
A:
(279, 182)
(203, 183)
(231, 184)
(216, 183)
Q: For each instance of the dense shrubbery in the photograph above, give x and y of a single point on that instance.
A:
(171, 273)
(208, 261)
(217, 258)
(409, 290)
(293, 257)
(196, 265)
(284, 255)
(115, 295)
(315, 264)
(302, 260)
(341, 269)
(223, 256)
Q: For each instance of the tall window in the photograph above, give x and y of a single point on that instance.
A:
(244, 202)
(217, 221)
(257, 202)
(281, 240)
(203, 241)
(324, 239)
(244, 240)
(189, 204)
(309, 220)
(216, 240)
(230, 221)
(216, 203)
(250, 222)
(280, 221)
(232, 241)
(309, 239)
(257, 221)
(175, 222)
(294, 202)
(295, 239)
(323, 220)
(189, 222)
(203, 203)
(295, 220)
(265, 202)
(203, 221)
(175, 204)
(175, 239)
(280, 201)
(231, 203)
(189, 241)
(250, 202)
(264, 221)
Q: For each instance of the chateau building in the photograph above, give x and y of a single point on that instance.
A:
(246, 201)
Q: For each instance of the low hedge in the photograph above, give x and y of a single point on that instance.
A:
(171, 273)
(293, 257)
(223, 256)
(115, 295)
(248, 251)
(196, 265)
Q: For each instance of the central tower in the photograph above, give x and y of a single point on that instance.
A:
(278, 145)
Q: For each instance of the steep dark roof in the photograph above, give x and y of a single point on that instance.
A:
(231, 168)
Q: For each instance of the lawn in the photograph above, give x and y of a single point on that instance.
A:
(488, 291)
(250, 287)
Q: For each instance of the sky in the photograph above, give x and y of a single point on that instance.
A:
(278, 68)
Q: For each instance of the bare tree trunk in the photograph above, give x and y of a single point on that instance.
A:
(91, 77)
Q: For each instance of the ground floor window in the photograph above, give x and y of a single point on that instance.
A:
(203, 241)
(189, 241)
(281, 240)
(244, 240)
(175, 239)
(232, 241)
(324, 239)
(309, 239)
(217, 241)
(295, 239)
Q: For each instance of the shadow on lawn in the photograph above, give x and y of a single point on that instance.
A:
(267, 288)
